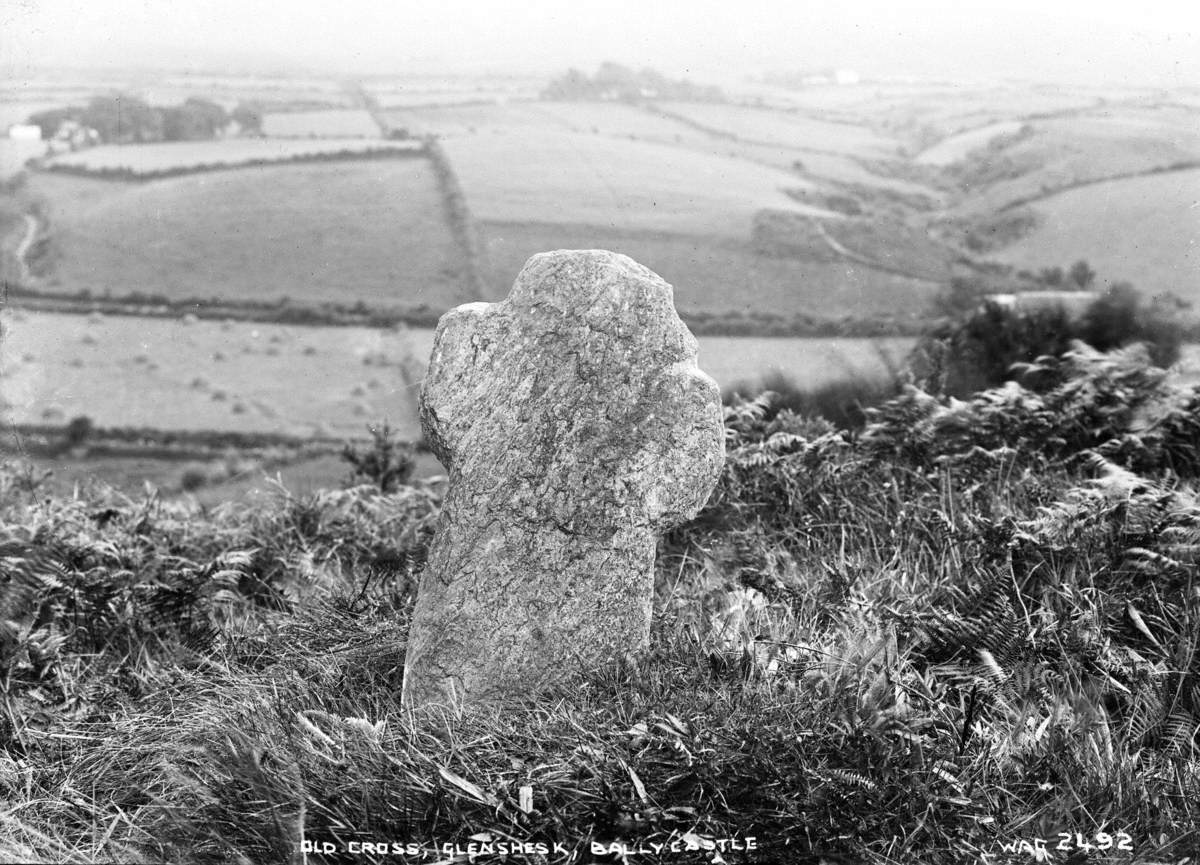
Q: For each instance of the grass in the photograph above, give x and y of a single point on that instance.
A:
(717, 274)
(893, 245)
(633, 186)
(1063, 152)
(168, 374)
(14, 155)
(749, 365)
(635, 123)
(424, 91)
(785, 128)
(956, 147)
(484, 119)
(125, 371)
(866, 381)
(1142, 230)
(320, 124)
(373, 231)
(968, 625)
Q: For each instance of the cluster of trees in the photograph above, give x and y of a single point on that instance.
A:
(124, 119)
(1078, 277)
(617, 82)
(978, 348)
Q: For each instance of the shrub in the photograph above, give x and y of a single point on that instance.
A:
(978, 349)
(192, 479)
(78, 431)
(841, 402)
(387, 462)
(1118, 318)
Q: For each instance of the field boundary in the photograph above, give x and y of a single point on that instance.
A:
(732, 322)
(865, 260)
(726, 135)
(157, 436)
(136, 304)
(125, 174)
(14, 266)
(1185, 165)
(462, 223)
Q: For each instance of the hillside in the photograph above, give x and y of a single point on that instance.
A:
(790, 210)
(1115, 224)
(372, 231)
(922, 169)
(182, 373)
(629, 185)
(963, 630)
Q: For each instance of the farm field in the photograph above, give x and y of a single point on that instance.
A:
(737, 363)
(428, 90)
(1143, 230)
(372, 231)
(351, 123)
(846, 170)
(1020, 602)
(786, 128)
(604, 119)
(124, 371)
(634, 123)
(628, 121)
(449, 121)
(1069, 151)
(717, 275)
(629, 185)
(742, 362)
(945, 110)
(622, 120)
(14, 154)
(956, 147)
(225, 153)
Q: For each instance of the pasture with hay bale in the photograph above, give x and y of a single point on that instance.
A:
(239, 377)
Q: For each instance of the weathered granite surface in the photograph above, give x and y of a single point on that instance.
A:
(576, 428)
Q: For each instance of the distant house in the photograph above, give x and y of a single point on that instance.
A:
(825, 77)
(1073, 303)
(25, 132)
(73, 135)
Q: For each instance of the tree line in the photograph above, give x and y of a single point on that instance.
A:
(125, 119)
(617, 82)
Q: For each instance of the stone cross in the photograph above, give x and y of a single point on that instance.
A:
(576, 428)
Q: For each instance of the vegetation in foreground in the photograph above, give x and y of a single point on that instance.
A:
(971, 624)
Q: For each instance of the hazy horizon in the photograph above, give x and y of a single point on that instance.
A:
(1076, 43)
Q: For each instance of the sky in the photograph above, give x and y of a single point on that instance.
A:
(1147, 42)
